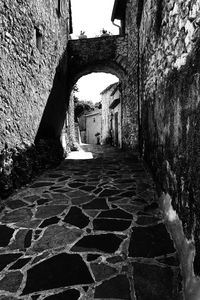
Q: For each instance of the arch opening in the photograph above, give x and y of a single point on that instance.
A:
(94, 112)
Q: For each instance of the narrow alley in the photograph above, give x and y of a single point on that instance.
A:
(88, 229)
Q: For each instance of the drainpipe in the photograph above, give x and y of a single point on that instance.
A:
(117, 26)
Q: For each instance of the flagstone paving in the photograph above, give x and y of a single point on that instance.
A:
(89, 229)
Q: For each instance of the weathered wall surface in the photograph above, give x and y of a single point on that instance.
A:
(129, 87)
(27, 72)
(170, 98)
(33, 37)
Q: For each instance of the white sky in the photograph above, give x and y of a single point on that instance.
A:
(90, 86)
(92, 16)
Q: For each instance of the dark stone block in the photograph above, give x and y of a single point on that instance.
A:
(64, 178)
(5, 234)
(152, 282)
(76, 217)
(42, 201)
(145, 220)
(128, 194)
(150, 241)
(54, 175)
(102, 271)
(115, 259)
(35, 297)
(41, 184)
(67, 295)
(170, 261)
(6, 259)
(15, 204)
(32, 198)
(115, 213)
(111, 224)
(131, 181)
(81, 200)
(88, 188)
(98, 203)
(20, 263)
(75, 184)
(109, 192)
(92, 257)
(97, 191)
(151, 207)
(58, 271)
(28, 239)
(8, 298)
(108, 243)
(115, 288)
(50, 221)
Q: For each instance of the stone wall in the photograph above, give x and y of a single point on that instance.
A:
(129, 87)
(103, 54)
(32, 41)
(169, 35)
(116, 55)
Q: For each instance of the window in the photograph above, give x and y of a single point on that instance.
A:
(94, 120)
(38, 38)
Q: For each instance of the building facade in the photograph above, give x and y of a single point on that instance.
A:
(111, 115)
(93, 128)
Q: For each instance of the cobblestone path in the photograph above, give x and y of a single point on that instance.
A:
(89, 229)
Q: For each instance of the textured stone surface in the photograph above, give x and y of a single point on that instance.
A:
(153, 282)
(44, 212)
(18, 216)
(157, 239)
(169, 95)
(33, 39)
(55, 257)
(59, 271)
(102, 271)
(117, 288)
(56, 236)
(11, 281)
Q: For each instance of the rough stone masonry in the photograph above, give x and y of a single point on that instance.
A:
(33, 37)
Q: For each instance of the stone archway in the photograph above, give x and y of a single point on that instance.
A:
(104, 54)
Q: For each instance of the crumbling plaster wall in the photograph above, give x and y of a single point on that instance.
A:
(27, 72)
(169, 34)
